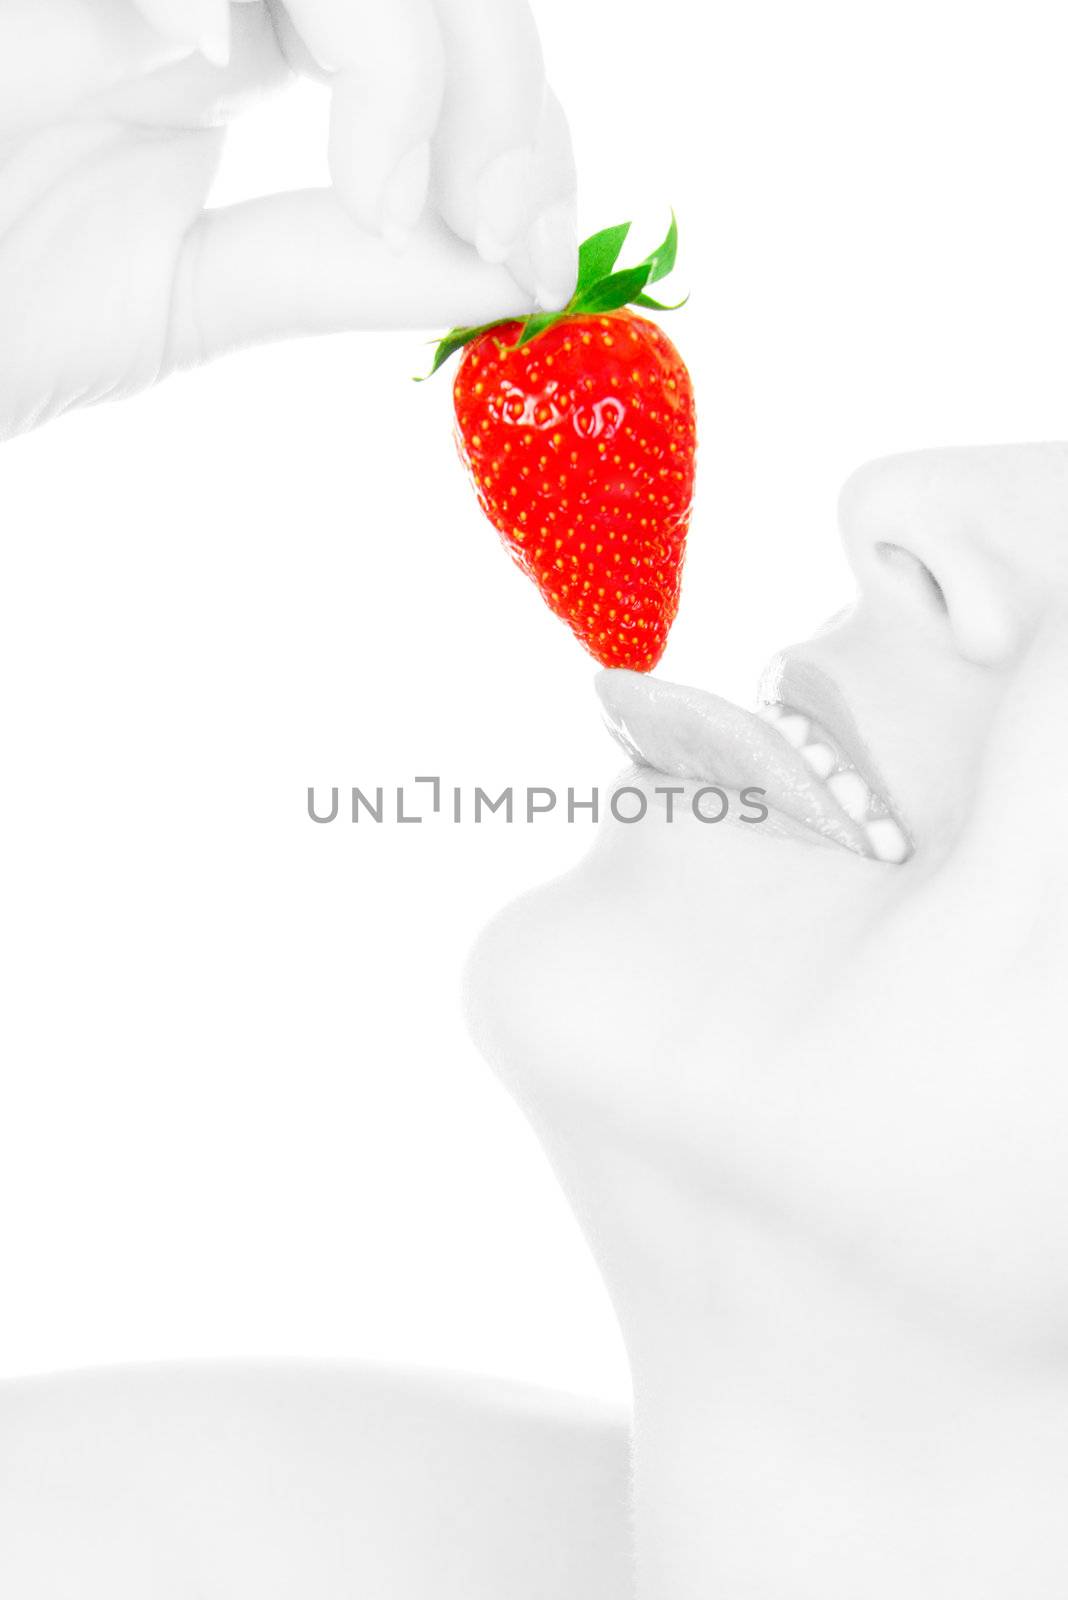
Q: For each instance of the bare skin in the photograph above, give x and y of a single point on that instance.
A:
(277, 1482)
(809, 1105)
(451, 200)
(812, 1105)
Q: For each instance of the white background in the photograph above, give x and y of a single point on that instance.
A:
(240, 1114)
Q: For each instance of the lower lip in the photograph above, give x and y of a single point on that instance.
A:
(694, 734)
(694, 803)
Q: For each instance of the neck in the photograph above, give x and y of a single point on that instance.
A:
(800, 1437)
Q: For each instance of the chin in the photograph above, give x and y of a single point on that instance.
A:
(543, 989)
(669, 944)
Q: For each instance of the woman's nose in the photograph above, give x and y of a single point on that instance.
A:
(925, 537)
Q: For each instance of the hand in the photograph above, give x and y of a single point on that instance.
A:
(452, 197)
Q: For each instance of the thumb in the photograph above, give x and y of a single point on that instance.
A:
(292, 264)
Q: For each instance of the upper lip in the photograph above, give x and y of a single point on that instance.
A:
(794, 680)
(693, 734)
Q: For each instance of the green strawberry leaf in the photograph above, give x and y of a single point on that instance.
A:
(614, 292)
(537, 324)
(458, 339)
(599, 254)
(650, 304)
(661, 261)
(599, 288)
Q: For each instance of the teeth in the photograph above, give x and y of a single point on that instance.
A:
(887, 840)
(852, 794)
(845, 784)
(794, 728)
(821, 758)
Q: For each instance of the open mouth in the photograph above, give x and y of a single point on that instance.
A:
(801, 748)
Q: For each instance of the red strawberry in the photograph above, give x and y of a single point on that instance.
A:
(579, 434)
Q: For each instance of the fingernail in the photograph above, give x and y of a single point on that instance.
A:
(213, 35)
(396, 238)
(201, 25)
(493, 250)
(215, 47)
(502, 203)
(404, 196)
(554, 254)
(519, 265)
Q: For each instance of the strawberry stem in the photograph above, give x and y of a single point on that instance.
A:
(599, 288)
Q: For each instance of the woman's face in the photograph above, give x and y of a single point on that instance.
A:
(876, 1051)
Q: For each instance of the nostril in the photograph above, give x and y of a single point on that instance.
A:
(913, 571)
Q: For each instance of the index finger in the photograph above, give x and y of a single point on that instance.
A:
(503, 151)
(384, 63)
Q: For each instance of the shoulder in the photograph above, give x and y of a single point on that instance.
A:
(272, 1481)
